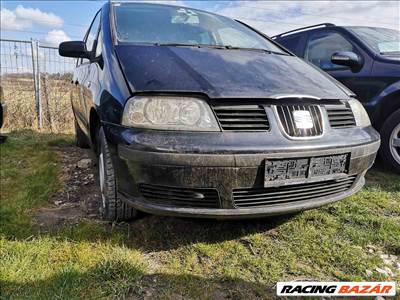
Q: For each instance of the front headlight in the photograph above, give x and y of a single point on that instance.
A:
(169, 113)
(360, 114)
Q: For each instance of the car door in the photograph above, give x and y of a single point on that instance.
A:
(75, 94)
(320, 47)
(85, 72)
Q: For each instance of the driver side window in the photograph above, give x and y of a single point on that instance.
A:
(91, 35)
(321, 46)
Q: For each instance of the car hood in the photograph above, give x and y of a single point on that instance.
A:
(223, 73)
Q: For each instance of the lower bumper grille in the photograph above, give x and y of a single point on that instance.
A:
(257, 197)
(181, 197)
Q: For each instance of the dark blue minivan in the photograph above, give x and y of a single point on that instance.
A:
(198, 115)
(367, 61)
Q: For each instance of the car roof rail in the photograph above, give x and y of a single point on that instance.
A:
(303, 28)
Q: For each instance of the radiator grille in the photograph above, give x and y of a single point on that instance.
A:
(286, 117)
(258, 197)
(181, 197)
(340, 116)
(242, 117)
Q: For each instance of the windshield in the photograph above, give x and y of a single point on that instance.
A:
(382, 40)
(170, 25)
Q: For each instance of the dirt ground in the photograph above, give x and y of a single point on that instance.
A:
(80, 197)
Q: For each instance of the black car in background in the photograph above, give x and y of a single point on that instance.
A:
(195, 114)
(367, 61)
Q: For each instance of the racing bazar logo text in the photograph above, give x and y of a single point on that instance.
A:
(336, 288)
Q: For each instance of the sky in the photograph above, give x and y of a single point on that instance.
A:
(51, 22)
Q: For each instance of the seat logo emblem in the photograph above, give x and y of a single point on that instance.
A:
(303, 119)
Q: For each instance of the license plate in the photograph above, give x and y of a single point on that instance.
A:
(287, 171)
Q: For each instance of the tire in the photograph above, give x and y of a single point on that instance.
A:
(390, 153)
(80, 138)
(112, 208)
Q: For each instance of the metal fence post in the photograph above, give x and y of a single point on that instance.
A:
(36, 80)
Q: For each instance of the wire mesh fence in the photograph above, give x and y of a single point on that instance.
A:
(35, 85)
(55, 88)
(17, 84)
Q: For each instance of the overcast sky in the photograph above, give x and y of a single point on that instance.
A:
(54, 21)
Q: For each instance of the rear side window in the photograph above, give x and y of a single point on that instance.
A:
(293, 43)
(322, 45)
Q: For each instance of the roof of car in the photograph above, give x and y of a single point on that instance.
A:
(316, 26)
(303, 29)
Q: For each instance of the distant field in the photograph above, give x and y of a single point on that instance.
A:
(19, 95)
(80, 256)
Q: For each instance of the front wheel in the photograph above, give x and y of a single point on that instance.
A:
(113, 209)
(390, 137)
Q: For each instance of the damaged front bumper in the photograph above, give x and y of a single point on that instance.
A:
(223, 175)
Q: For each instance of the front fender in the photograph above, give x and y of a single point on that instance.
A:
(383, 104)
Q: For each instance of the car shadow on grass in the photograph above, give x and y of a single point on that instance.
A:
(149, 233)
(380, 177)
(74, 213)
(155, 233)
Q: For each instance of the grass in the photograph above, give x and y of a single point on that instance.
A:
(41, 266)
(161, 257)
(28, 172)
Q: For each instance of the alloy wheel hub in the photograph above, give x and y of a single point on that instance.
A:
(394, 143)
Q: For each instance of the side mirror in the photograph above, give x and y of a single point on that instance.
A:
(73, 49)
(348, 59)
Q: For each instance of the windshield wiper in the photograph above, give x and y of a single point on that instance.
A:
(190, 45)
(254, 49)
(219, 47)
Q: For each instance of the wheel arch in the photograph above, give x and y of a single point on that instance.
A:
(388, 105)
(94, 125)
